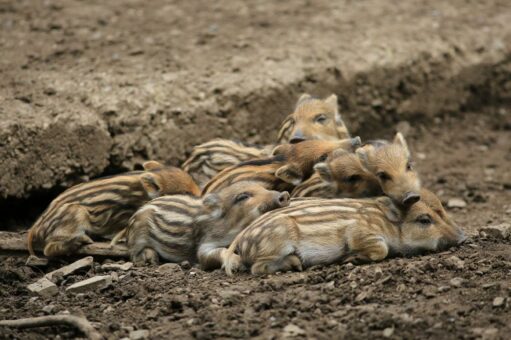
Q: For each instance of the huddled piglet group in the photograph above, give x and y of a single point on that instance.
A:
(318, 196)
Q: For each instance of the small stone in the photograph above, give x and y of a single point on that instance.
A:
(44, 287)
(185, 265)
(139, 334)
(378, 272)
(170, 268)
(108, 309)
(456, 203)
(455, 262)
(115, 276)
(456, 282)
(363, 295)
(442, 289)
(34, 261)
(96, 282)
(498, 301)
(387, 332)
(291, 331)
(117, 266)
(429, 291)
(71, 268)
(502, 231)
(229, 296)
(48, 309)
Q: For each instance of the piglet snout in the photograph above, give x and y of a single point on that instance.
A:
(283, 199)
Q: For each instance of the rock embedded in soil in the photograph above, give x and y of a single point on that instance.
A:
(498, 301)
(291, 331)
(96, 282)
(86, 262)
(388, 332)
(117, 266)
(502, 231)
(139, 334)
(44, 287)
(171, 268)
(456, 282)
(456, 203)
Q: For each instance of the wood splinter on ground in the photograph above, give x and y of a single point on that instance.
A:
(15, 242)
(56, 320)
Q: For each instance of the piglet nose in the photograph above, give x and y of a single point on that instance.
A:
(283, 198)
(411, 198)
(297, 137)
(356, 142)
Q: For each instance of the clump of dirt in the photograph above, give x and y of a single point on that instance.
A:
(461, 293)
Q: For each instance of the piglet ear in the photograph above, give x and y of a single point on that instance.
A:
(151, 184)
(304, 97)
(280, 149)
(324, 171)
(152, 165)
(400, 140)
(363, 156)
(331, 102)
(289, 174)
(390, 209)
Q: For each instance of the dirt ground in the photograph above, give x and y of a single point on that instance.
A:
(422, 297)
(90, 90)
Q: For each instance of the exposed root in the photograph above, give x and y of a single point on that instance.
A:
(56, 320)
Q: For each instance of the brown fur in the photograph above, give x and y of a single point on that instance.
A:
(391, 163)
(180, 227)
(290, 164)
(320, 231)
(103, 206)
(314, 119)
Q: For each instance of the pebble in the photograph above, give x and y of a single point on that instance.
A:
(292, 330)
(185, 265)
(456, 282)
(48, 309)
(34, 261)
(387, 332)
(139, 334)
(502, 231)
(456, 203)
(378, 272)
(498, 301)
(44, 287)
(96, 282)
(71, 268)
(117, 266)
(170, 268)
(455, 262)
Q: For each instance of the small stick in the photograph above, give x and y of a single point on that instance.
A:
(54, 320)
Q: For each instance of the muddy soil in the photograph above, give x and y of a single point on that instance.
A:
(450, 295)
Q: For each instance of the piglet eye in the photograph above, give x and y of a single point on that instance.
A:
(409, 166)
(353, 179)
(321, 118)
(382, 175)
(425, 220)
(242, 197)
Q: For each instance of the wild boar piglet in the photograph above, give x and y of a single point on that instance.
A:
(392, 164)
(289, 165)
(181, 227)
(102, 207)
(322, 231)
(341, 175)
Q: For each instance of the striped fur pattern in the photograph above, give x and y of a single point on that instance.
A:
(208, 159)
(341, 175)
(391, 163)
(180, 227)
(313, 118)
(290, 165)
(322, 231)
(102, 207)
